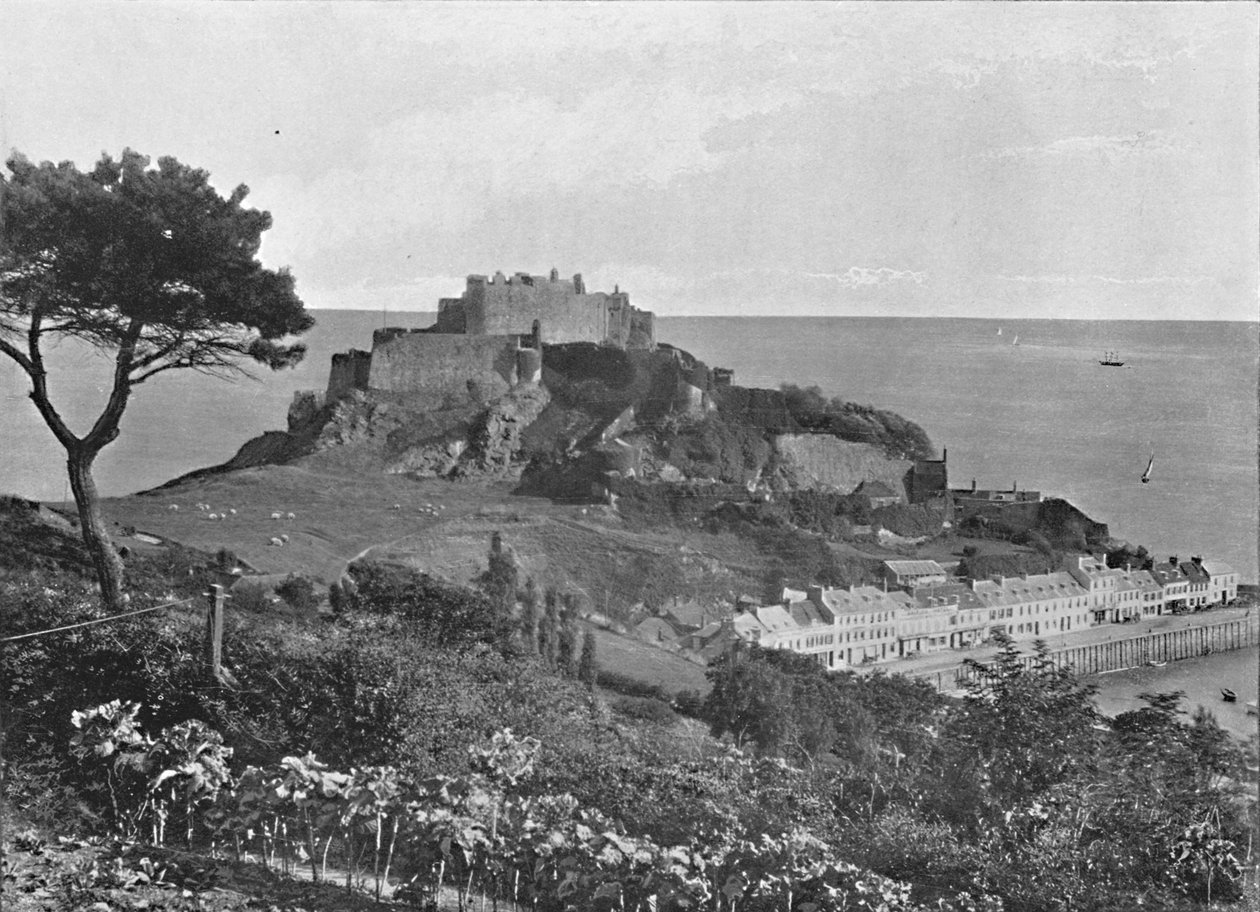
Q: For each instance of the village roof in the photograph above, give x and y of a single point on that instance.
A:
(1194, 572)
(808, 614)
(656, 630)
(1143, 579)
(1019, 590)
(876, 489)
(915, 567)
(858, 599)
(960, 592)
(690, 614)
(775, 618)
(793, 595)
(1166, 574)
(1217, 568)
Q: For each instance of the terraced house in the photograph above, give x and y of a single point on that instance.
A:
(843, 628)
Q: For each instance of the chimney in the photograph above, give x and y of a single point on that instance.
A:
(1197, 561)
(815, 594)
(973, 486)
(1173, 560)
(944, 454)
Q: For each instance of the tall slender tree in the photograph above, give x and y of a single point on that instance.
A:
(153, 267)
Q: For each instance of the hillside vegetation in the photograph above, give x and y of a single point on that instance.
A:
(430, 744)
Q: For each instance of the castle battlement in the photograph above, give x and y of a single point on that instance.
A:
(490, 338)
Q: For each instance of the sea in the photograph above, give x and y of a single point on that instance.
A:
(1015, 403)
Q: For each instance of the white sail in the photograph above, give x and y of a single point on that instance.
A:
(1146, 476)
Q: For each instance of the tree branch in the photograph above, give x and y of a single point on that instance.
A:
(39, 387)
(106, 427)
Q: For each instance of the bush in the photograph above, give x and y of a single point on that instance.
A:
(644, 709)
(298, 592)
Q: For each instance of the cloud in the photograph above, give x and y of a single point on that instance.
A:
(860, 276)
(1139, 144)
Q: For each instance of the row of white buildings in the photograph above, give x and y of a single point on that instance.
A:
(919, 610)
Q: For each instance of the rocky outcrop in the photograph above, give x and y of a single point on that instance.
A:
(828, 463)
(495, 441)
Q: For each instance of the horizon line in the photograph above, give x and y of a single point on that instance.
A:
(862, 316)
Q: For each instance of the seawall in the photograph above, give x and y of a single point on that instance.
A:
(1131, 652)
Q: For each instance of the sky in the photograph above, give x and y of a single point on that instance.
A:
(892, 159)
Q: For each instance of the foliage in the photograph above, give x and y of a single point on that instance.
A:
(897, 437)
(298, 592)
(437, 611)
(149, 265)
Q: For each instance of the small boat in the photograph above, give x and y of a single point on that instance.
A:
(1016, 342)
(1156, 664)
(1146, 476)
(1111, 359)
(1253, 709)
(1228, 695)
(999, 330)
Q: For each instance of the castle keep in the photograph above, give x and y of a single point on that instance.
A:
(490, 339)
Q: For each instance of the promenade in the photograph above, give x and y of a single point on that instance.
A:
(938, 666)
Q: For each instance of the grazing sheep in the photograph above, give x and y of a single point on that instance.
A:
(232, 511)
(277, 542)
(396, 507)
(284, 538)
(174, 508)
(290, 516)
(213, 516)
(276, 516)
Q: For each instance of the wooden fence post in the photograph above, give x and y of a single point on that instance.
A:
(214, 632)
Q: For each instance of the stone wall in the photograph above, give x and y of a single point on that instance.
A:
(349, 371)
(510, 305)
(823, 461)
(445, 366)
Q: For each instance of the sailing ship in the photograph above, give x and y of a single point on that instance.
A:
(1146, 476)
(1016, 342)
(999, 330)
(1111, 359)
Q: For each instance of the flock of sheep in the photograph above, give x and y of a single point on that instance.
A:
(279, 541)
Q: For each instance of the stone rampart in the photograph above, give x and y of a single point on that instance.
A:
(823, 461)
(566, 313)
(445, 366)
(349, 372)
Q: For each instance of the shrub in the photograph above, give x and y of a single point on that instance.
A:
(644, 709)
(298, 592)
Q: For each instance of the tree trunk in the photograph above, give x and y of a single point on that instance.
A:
(109, 566)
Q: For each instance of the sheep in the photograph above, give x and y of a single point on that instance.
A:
(276, 516)
(277, 542)
(396, 507)
(290, 516)
(174, 508)
(232, 511)
(213, 516)
(284, 538)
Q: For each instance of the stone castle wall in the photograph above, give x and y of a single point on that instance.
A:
(349, 372)
(445, 366)
(566, 313)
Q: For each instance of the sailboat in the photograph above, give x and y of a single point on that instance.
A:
(999, 330)
(1016, 342)
(1111, 359)
(1146, 476)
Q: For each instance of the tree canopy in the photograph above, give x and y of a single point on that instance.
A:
(149, 264)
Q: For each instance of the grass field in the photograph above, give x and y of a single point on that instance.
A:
(635, 659)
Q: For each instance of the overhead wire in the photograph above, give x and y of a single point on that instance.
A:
(104, 620)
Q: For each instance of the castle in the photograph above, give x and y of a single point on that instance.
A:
(490, 339)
